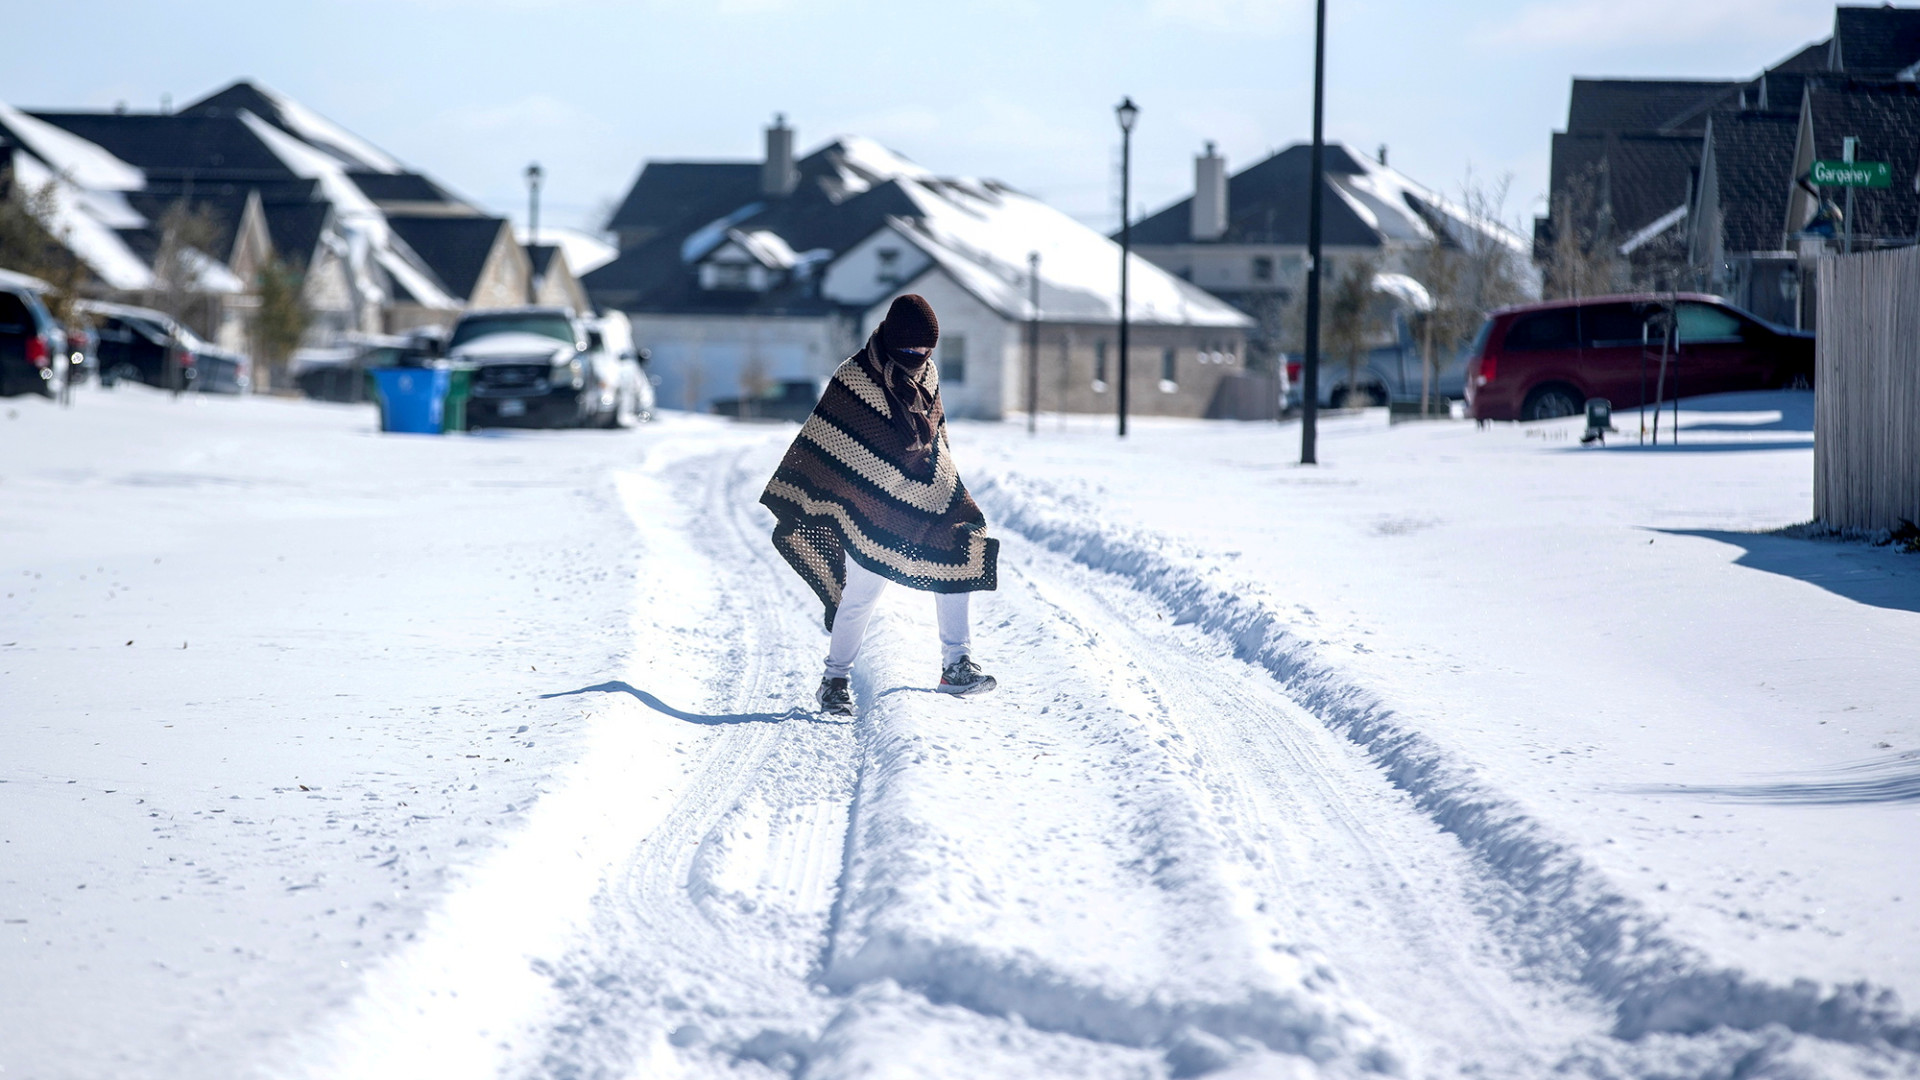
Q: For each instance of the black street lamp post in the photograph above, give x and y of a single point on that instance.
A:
(534, 175)
(1127, 111)
(1310, 367)
(1033, 342)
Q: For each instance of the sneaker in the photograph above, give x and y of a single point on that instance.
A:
(964, 677)
(835, 697)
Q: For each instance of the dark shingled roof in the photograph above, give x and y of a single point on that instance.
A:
(539, 255)
(209, 148)
(823, 211)
(266, 106)
(295, 229)
(1267, 204)
(1638, 177)
(669, 192)
(1621, 106)
(401, 187)
(454, 248)
(1753, 165)
(1886, 119)
(1875, 42)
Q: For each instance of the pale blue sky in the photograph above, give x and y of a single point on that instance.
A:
(471, 90)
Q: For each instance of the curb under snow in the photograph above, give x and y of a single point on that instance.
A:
(1619, 950)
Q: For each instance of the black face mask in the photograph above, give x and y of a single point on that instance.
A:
(907, 359)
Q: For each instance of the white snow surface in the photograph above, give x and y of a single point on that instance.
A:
(1467, 753)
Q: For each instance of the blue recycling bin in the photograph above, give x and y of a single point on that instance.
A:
(412, 400)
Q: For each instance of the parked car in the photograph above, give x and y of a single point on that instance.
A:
(141, 345)
(1539, 361)
(619, 371)
(1387, 374)
(790, 400)
(82, 362)
(33, 347)
(534, 367)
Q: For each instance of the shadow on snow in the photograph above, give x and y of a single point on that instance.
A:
(618, 686)
(1878, 577)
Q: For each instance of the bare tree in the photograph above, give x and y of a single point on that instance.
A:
(1352, 319)
(188, 236)
(1583, 257)
(33, 242)
(280, 321)
(1467, 271)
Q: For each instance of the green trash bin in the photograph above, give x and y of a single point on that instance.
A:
(459, 390)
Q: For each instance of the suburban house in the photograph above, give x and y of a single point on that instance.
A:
(1243, 237)
(1698, 184)
(741, 275)
(255, 175)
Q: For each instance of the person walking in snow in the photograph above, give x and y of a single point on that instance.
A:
(868, 494)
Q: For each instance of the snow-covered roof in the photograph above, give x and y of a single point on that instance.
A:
(981, 233)
(766, 247)
(86, 164)
(86, 222)
(584, 251)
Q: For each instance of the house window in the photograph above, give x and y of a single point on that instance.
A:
(889, 272)
(953, 360)
(1099, 366)
(1263, 268)
(1169, 372)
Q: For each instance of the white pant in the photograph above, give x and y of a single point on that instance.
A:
(857, 602)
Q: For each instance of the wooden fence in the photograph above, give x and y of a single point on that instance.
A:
(1866, 431)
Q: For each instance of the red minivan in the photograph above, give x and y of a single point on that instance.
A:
(1539, 361)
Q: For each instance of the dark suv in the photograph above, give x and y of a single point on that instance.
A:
(1540, 361)
(33, 348)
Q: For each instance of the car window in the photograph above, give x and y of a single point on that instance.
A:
(1610, 326)
(14, 317)
(1542, 330)
(1704, 322)
(557, 327)
(1479, 342)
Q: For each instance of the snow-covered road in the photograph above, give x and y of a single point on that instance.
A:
(1186, 838)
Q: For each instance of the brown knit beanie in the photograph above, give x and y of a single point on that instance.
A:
(910, 324)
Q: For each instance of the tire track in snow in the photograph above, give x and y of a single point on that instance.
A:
(704, 944)
(1570, 921)
(1337, 855)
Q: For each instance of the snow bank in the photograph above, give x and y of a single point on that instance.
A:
(1577, 923)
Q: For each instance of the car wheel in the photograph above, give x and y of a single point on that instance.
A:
(1550, 402)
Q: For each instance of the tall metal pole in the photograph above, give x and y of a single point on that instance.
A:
(1846, 153)
(534, 175)
(1310, 368)
(1033, 342)
(1127, 110)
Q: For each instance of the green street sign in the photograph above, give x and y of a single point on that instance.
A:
(1875, 174)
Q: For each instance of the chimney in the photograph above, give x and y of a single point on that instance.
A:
(1209, 195)
(1383, 153)
(778, 176)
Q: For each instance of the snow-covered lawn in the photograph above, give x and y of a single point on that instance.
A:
(1464, 753)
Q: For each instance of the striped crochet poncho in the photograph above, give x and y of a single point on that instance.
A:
(849, 486)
